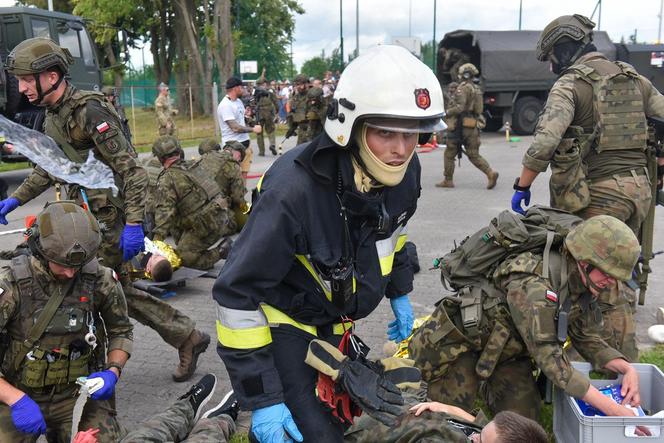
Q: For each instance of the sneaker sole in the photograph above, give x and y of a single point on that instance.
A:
(205, 401)
(223, 400)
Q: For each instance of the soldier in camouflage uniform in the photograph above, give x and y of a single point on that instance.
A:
(316, 110)
(465, 114)
(82, 122)
(267, 109)
(297, 108)
(190, 206)
(112, 96)
(520, 326)
(153, 167)
(52, 304)
(598, 166)
(165, 112)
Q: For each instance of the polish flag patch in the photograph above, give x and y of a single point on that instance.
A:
(103, 127)
(551, 296)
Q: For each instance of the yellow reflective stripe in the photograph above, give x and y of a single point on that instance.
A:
(247, 338)
(387, 247)
(260, 183)
(276, 317)
(307, 264)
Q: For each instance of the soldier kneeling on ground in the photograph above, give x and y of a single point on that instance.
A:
(65, 317)
(191, 207)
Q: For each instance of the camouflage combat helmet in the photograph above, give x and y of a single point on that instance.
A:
(606, 243)
(166, 146)
(208, 145)
(36, 55)
(468, 67)
(301, 79)
(575, 27)
(236, 146)
(66, 234)
(315, 93)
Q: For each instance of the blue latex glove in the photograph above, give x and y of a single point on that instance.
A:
(274, 424)
(6, 206)
(27, 416)
(132, 241)
(402, 326)
(106, 391)
(517, 198)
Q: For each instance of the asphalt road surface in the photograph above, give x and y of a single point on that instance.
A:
(443, 216)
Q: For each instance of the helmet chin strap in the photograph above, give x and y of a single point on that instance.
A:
(41, 95)
(586, 273)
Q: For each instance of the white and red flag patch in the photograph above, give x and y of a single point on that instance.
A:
(103, 127)
(551, 296)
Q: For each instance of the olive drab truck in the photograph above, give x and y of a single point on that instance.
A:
(515, 84)
(69, 31)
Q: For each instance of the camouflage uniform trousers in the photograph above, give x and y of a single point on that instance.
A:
(303, 132)
(176, 424)
(172, 325)
(628, 199)
(99, 414)
(165, 130)
(471, 143)
(193, 244)
(269, 130)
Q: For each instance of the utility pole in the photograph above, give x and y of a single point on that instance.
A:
(50, 5)
(659, 29)
(357, 28)
(410, 17)
(434, 47)
(520, 12)
(341, 31)
(599, 18)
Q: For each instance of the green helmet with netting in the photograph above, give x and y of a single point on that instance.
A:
(606, 243)
(234, 145)
(166, 146)
(36, 55)
(469, 68)
(66, 234)
(208, 145)
(574, 27)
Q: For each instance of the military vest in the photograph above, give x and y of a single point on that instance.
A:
(299, 107)
(206, 197)
(620, 121)
(61, 355)
(266, 106)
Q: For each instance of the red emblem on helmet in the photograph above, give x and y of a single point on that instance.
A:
(422, 99)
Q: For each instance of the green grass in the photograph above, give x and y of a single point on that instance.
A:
(239, 438)
(13, 166)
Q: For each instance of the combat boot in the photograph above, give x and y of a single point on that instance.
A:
(225, 247)
(445, 184)
(189, 352)
(493, 179)
(273, 150)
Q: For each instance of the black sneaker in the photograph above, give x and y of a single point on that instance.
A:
(273, 150)
(228, 405)
(201, 393)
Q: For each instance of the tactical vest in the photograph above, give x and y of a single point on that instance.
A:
(299, 107)
(620, 121)
(265, 106)
(206, 197)
(61, 354)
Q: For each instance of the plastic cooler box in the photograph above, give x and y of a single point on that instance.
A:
(571, 426)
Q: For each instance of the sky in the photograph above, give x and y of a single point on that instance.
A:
(380, 21)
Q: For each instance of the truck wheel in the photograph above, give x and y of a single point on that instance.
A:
(526, 112)
(13, 97)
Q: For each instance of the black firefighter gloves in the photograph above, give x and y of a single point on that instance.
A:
(361, 380)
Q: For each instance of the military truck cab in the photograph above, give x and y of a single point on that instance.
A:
(21, 23)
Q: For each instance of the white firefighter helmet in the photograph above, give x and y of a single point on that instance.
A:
(389, 88)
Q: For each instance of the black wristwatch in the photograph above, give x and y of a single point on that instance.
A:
(112, 364)
(516, 186)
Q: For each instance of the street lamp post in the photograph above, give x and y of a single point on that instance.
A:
(434, 47)
(341, 31)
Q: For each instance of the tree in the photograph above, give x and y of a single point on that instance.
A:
(315, 67)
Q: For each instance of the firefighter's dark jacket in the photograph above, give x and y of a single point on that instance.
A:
(294, 233)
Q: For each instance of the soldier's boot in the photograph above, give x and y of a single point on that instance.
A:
(273, 150)
(225, 247)
(493, 179)
(189, 352)
(445, 184)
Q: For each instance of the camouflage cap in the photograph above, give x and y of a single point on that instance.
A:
(606, 243)
(576, 27)
(468, 67)
(236, 146)
(166, 146)
(301, 79)
(208, 145)
(66, 234)
(315, 92)
(36, 55)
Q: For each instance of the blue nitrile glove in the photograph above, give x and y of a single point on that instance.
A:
(402, 326)
(132, 241)
(6, 206)
(106, 391)
(517, 198)
(274, 424)
(27, 416)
